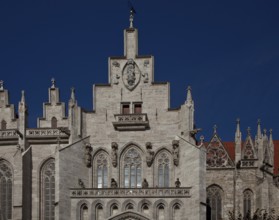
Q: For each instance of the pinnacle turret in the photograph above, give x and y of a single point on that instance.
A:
(189, 98)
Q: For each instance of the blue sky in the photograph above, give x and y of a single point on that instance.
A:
(228, 51)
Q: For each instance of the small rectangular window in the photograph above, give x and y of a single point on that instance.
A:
(125, 109)
(137, 108)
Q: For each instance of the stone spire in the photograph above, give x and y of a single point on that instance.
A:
(72, 100)
(238, 132)
(131, 38)
(259, 132)
(189, 98)
(271, 147)
(238, 139)
(22, 97)
(1, 85)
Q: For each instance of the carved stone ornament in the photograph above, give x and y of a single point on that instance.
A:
(88, 155)
(175, 152)
(114, 148)
(150, 154)
(131, 75)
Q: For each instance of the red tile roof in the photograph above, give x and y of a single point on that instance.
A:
(229, 146)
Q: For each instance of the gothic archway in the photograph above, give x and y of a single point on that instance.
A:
(129, 215)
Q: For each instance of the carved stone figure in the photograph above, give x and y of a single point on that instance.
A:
(88, 155)
(177, 183)
(145, 75)
(113, 183)
(114, 147)
(175, 152)
(81, 183)
(145, 183)
(150, 154)
(115, 79)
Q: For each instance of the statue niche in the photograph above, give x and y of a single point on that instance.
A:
(150, 154)
(114, 147)
(88, 155)
(175, 152)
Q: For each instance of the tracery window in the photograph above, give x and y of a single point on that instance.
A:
(102, 170)
(132, 169)
(247, 202)
(84, 212)
(3, 125)
(217, 156)
(6, 182)
(53, 122)
(48, 190)
(99, 212)
(176, 212)
(248, 152)
(214, 200)
(163, 170)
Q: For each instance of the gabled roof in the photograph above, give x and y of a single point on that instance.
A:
(217, 154)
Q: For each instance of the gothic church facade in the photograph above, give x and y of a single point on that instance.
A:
(131, 157)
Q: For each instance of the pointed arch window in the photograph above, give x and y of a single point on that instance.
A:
(84, 212)
(53, 122)
(6, 182)
(145, 209)
(247, 203)
(161, 212)
(176, 212)
(132, 169)
(214, 200)
(114, 209)
(99, 212)
(102, 170)
(3, 125)
(48, 190)
(163, 170)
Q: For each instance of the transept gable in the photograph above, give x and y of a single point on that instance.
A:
(248, 149)
(217, 155)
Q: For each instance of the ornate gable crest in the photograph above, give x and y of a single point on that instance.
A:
(217, 156)
(248, 151)
(131, 75)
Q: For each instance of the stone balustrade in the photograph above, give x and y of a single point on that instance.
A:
(9, 133)
(44, 132)
(131, 122)
(183, 192)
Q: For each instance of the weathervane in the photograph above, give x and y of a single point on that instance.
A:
(132, 12)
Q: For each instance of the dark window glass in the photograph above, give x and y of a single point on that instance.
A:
(48, 190)
(137, 108)
(125, 109)
(53, 122)
(214, 200)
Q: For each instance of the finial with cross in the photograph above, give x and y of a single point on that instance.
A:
(215, 129)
